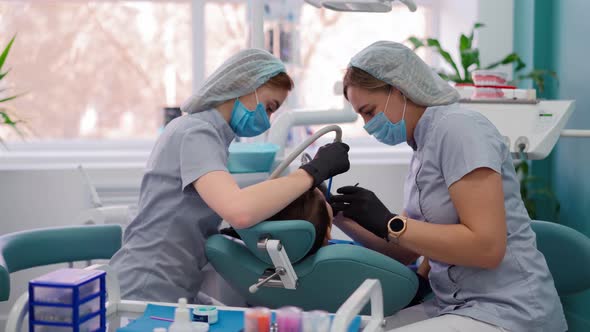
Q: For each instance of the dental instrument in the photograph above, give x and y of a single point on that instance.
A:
(162, 319)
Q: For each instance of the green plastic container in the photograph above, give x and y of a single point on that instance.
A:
(251, 157)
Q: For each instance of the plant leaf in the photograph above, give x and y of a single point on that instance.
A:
(5, 52)
(444, 76)
(524, 167)
(538, 77)
(436, 44)
(509, 59)
(472, 35)
(469, 58)
(4, 74)
(464, 43)
(5, 118)
(10, 98)
(416, 42)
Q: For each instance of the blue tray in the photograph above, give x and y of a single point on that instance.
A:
(251, 157)
(229, 321)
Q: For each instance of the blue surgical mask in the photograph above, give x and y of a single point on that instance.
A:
(386, 131)
(247, 123)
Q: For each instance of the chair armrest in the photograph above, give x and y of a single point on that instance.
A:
(16, 317)
(369, 292)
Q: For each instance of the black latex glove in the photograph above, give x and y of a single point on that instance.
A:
(362, 206)
(423, 291)
(230, 231)
(330, 160)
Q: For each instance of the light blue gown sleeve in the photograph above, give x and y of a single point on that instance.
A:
(202, 151)
(468, 142)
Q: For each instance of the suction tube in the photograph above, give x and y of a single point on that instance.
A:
(301, 147)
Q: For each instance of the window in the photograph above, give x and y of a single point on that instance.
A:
(226, 31)
(97, 69)
(106, 69)
(317, 45)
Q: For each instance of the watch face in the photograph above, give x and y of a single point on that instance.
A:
(396, 225)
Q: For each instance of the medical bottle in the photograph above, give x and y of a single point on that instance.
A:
(182, 320)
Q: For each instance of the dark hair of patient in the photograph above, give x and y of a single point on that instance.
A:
(311, 206)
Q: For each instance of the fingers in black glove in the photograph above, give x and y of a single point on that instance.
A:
(338, 207)
(350, 190)
(330, 160)
(363, 206)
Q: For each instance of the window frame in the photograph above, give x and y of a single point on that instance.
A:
(112, 152)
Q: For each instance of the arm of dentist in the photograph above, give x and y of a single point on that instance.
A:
(371, 241)
(243, 208)
(479, 240)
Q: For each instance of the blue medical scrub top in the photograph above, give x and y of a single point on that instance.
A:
(164, 246)
(518, 295)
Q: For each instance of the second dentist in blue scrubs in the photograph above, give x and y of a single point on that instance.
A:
(187, 189)
(462, 208)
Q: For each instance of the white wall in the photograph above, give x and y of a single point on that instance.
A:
(455, 17)
(496, 40)
(458, 16)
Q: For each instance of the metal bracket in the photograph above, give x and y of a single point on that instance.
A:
(282, 267)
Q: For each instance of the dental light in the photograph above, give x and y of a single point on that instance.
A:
(374, 6)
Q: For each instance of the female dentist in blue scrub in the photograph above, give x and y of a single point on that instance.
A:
(187, 189)
(462, 207)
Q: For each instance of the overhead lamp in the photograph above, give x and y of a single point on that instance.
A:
(371, 6)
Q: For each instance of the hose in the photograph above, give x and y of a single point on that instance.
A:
(301, 147)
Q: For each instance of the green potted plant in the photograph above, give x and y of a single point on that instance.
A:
(6, 118)
(532, 188)
(470, 61)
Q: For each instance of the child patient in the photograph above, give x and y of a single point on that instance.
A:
(313, 207)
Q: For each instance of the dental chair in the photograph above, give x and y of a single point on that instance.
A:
(567, 252)
(272, 268)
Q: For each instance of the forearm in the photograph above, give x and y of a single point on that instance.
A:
(373, 242)
(452, 244)
(261, 201)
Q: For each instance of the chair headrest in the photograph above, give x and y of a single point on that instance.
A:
(297, 236)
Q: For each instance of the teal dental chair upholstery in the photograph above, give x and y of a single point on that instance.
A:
(567, 252)
(39, 247)
(325, 279)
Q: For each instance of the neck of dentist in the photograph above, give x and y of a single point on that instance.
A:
(412, 115)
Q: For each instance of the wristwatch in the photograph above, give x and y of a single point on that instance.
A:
(396, 226)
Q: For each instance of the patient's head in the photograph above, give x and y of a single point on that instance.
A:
(310, 206)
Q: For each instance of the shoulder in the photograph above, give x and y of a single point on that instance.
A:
(191, 124)
(462, 123)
